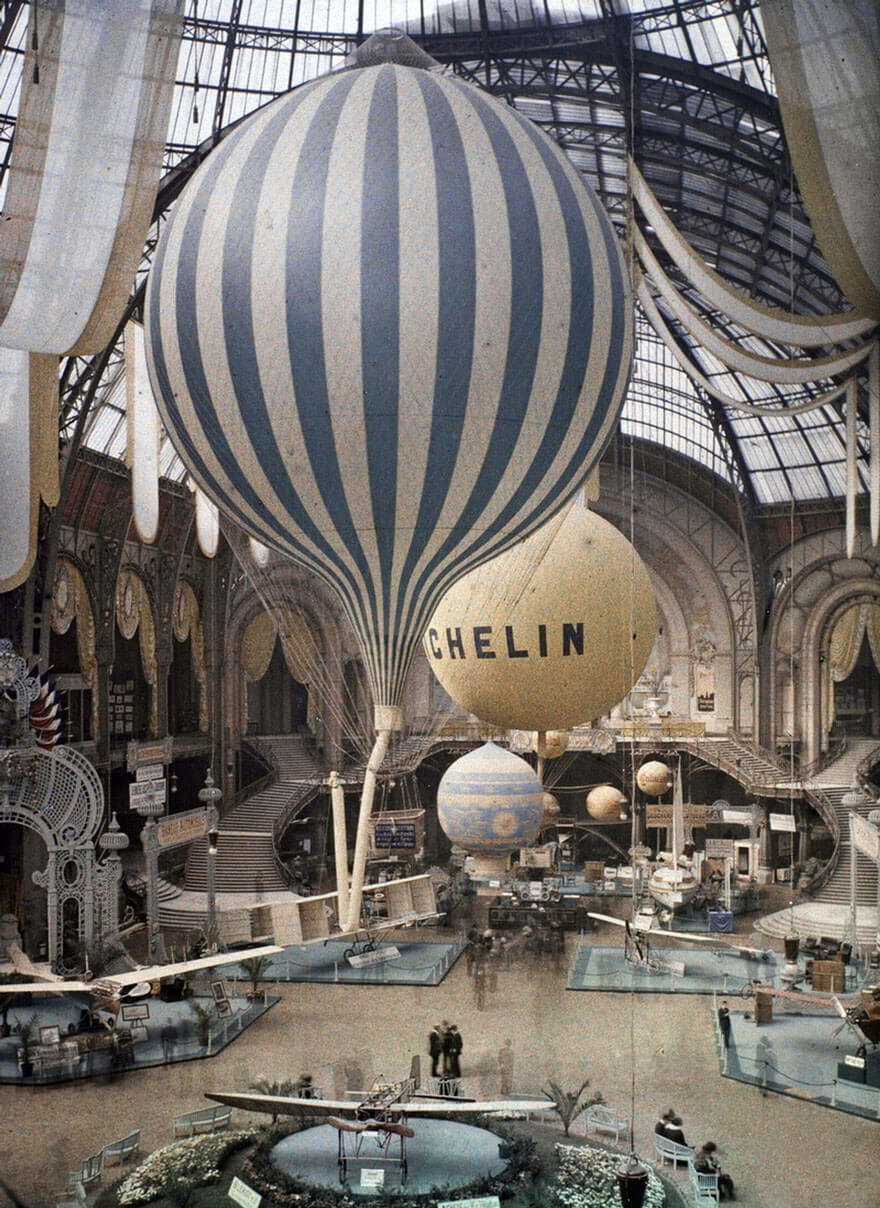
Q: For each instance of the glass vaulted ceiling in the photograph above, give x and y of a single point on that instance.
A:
(692, 81)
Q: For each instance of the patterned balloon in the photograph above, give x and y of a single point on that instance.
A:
(389, 330)
(490, 800)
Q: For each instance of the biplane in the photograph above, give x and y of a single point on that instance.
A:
(374, 1125)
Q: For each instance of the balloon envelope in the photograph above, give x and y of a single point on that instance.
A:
(547, 636)
(389, 330)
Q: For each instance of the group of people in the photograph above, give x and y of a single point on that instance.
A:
(705, 1158)
(444, 1049)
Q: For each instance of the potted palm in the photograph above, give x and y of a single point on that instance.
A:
(256, 969)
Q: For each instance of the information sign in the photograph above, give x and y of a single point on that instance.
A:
(865, 836)
(138, 753)
(240, 1193)
(150, 771)
(719, 849)
(182, 828)
(360, 960)
(481, 1201)
(661, 815)
(399, 836)
(782, 822)
(147, 790)
(372, 1178)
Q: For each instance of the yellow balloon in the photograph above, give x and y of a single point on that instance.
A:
(654, 778)
(547, 636)
(550, 810)
(605, 802)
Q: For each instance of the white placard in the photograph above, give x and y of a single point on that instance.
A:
(865, 836)
(372, 1178)
(739, 817)
(150, 771)
(719, 849)
(240, 1193)
(147, 790)
(782, 822)
(481, 1201)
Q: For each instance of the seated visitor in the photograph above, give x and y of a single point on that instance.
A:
(706, 1161)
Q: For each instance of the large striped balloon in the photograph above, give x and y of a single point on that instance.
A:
(390, 331)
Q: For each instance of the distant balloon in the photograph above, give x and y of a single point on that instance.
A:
(551, 744)
(389, 330)
(605, 802)
(654, 778)
(547, 636)
(550, 810)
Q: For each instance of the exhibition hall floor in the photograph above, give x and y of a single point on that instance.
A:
(781, 1151)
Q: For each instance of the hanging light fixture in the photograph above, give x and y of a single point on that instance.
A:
(632, 1183)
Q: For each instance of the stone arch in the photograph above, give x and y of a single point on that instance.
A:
(819, 623)
(58, 795)
(701, 564)
(307, 597)
(136, 614)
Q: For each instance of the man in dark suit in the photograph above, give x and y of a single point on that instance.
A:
(435, 1049)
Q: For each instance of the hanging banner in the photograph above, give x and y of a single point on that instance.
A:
(865, 836)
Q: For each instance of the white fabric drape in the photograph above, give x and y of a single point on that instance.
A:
(826, 65)
(85, 168)
(143, 431)
(852, 469)
(655, 318)
(805, 331)
(259, 552)
(28, 456)
(207, 523)
(18, 509)
(781, 370)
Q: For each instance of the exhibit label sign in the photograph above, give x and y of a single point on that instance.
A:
(481, 1201)
(240, 1193)
(372, 1178)
(783, 822)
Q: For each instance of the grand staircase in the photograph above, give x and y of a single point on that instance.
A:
(245, 862)
(835, 781)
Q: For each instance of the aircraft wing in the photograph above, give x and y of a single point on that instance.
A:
(155, 972)
(47, 987)
(606, 918)
(283, 1105)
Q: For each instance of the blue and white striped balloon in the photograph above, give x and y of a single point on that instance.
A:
(390, 332)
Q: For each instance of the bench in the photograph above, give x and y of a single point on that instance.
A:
(92, 1168)
(704, 1187)
(205, 1120)
(603, 1119)
(121, 1150)
(668, 1150)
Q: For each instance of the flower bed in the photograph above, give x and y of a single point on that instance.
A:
(586, 1177)
(170, 1171)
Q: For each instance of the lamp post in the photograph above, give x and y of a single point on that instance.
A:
(210, 796)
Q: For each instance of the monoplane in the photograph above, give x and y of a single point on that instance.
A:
(379, 1116)
(645, 928)
(108, 993)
